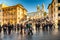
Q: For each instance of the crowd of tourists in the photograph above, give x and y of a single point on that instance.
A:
(26, 27)
(8, 28)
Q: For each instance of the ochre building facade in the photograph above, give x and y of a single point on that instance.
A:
(12, 14)
(54, 12)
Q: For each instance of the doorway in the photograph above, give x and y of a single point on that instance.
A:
(59, 24)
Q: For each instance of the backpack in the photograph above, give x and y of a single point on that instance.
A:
(28, 25)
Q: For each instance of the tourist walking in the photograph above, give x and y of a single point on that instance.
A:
(0, 28)
(9, 28)
(4, 28)
(37, 26)
(21, 27)
(29, 27)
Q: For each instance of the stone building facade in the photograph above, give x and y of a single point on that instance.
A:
(12, 14)
(54, 12)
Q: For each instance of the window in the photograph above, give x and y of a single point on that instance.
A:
(11, 13)
(58, 23)
(59, 14)
(18, 17)
(58, 1)
(58, 8)
(54, 9)
(14, 13)
(54, 3)
(8, 9)
(14, 8)
(3, 9)
(0, 10)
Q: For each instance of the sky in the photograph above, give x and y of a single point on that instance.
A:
(30, 5)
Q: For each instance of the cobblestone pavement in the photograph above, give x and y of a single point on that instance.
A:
(39, 35)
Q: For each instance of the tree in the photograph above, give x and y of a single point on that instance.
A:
(45, 14)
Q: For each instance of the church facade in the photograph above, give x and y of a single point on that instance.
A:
(38, 14)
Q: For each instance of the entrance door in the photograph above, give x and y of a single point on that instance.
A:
(59, 24)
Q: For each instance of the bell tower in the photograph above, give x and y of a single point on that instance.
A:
(38, 8)
(43, 7)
